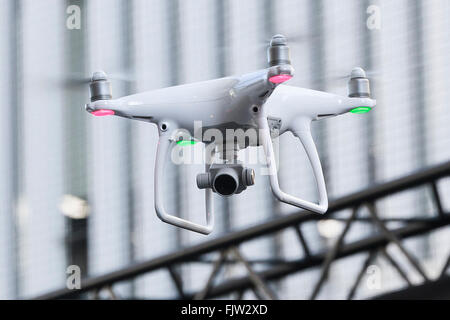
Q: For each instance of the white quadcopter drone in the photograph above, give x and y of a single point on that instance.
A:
(255, 101)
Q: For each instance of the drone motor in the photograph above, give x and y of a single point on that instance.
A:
(100, 87)
(358, 85)
(279, 59)
(278, 52)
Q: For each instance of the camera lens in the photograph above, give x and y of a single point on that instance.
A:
(225, 184)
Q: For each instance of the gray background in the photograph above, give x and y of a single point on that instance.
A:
(50, 147)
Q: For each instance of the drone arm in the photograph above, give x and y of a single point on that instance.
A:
(164, 144)
(301, 129)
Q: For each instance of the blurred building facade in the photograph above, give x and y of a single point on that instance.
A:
(54, 155)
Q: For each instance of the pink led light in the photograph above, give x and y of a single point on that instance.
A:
(280, 78)
(102, 112)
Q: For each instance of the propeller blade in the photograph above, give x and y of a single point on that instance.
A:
(371, 74)
(264, 43)
(81, 79)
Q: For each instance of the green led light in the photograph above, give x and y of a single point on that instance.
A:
(185, 143)
(360, 110)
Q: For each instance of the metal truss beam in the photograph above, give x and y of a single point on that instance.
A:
(375, 242)
(288, 268)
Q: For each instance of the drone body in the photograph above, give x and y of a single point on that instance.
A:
(253, 101)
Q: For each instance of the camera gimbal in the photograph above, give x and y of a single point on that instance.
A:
(254, 101)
